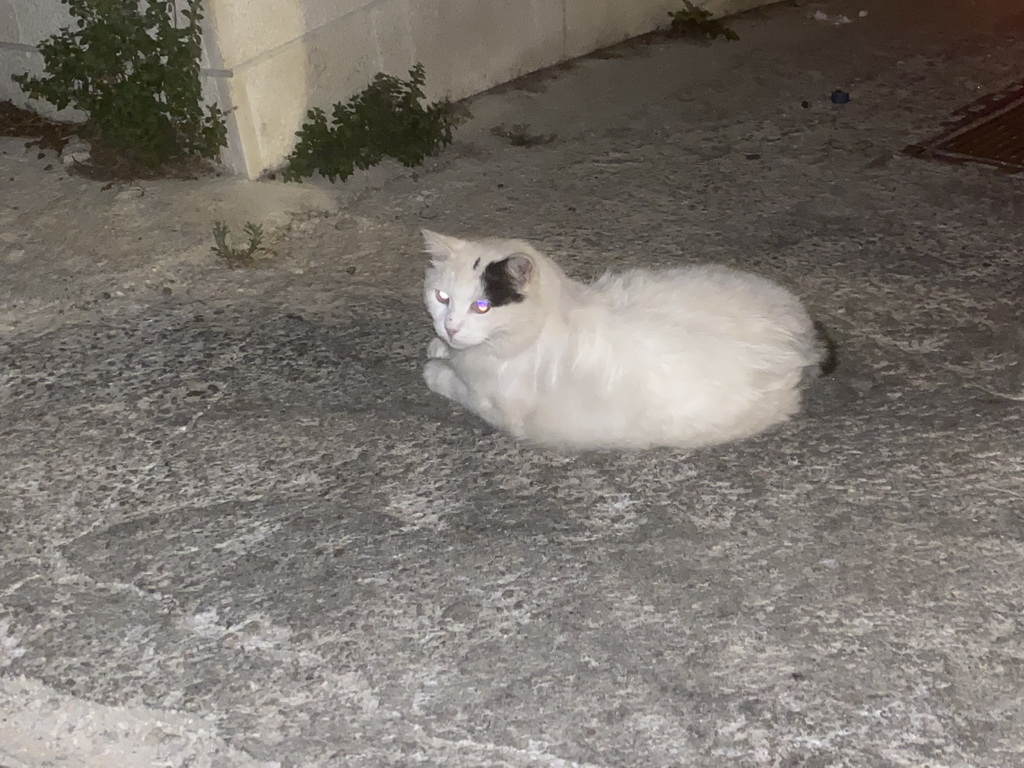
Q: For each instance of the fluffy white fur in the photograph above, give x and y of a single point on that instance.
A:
(683, 357)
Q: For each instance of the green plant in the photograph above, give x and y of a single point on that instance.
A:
(135, 73)
(386, 119)
(238, 257)
(696, 23)
(519, 135)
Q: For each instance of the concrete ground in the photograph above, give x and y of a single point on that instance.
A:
(237, 530)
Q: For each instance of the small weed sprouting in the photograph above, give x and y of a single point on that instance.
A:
(133, 68)
(238, 257)
(696, 24)
(519, 135)
(386, 119)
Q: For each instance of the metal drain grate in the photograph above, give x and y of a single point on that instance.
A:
(989, 130)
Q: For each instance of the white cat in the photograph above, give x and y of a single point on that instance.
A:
(682, 357)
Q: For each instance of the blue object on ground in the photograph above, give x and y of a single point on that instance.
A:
(840, 97)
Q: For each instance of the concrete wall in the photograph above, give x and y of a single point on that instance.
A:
(268, 61)
(23, 23)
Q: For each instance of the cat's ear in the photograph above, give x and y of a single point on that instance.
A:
(441, 247)
(519, 267)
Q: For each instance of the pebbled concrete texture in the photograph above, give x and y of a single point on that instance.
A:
(237, 530)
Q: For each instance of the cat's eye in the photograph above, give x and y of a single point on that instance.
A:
(441, 296)
(481, 306)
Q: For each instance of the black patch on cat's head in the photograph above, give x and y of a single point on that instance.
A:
(504, 280)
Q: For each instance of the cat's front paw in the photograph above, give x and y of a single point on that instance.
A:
(438, 350)
(438, 375)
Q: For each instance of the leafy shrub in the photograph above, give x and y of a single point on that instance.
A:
(135, 73)
(696, 23)
(386, 119)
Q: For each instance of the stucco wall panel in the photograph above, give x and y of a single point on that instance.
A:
(272, 99)
(320, 13)
(392, 30)
(250, 29)
(29, 21)
(341, 58)
(488, 44)
(593, 24)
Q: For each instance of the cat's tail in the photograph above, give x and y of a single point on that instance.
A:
(829, 359)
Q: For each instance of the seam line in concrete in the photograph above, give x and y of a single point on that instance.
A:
(18, 47)
(5, 45)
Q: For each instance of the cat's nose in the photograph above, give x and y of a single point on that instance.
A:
(450, 331)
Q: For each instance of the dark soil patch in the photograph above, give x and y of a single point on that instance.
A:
(105, 163)
(45, 134)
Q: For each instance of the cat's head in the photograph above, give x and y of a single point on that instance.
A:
(477, 291)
